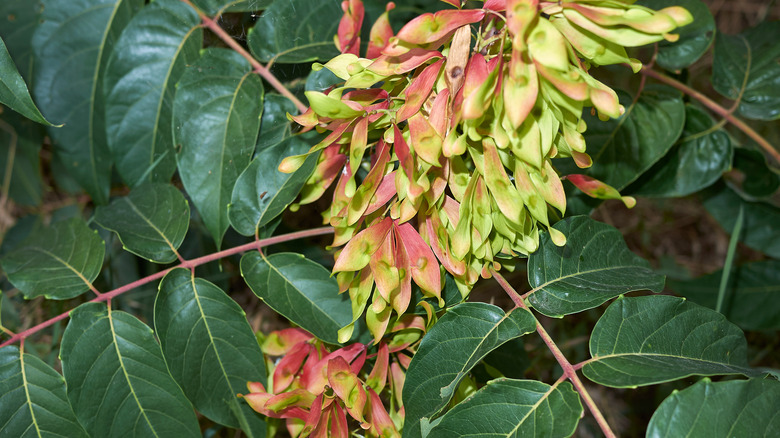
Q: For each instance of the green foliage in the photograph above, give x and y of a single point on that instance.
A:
(117, 116)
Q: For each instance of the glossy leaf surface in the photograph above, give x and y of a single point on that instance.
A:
(33, 398)
(514, 408)
(149, 58)
(654, 339)
(301, 290)
(13, 89)
(745, 67)
(262, 192)
(209, 348)
(151, 221)
(752, 296)
(216, 120)
(594, 266)
(118, 382)
(452, 347)
(274, 125)
(58, 262)
(734, 408)
(72, 45)
(294, 32)
(695, 38)
(698, 160)
(760, 180)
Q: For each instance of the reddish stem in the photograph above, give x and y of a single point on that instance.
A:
(568, 369)
(258, 68)
(189, 264)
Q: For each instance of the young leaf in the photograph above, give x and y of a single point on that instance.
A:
(753, 294)
(301, 290)
(262, 192)
(453, 346)
(149, 58)
(514, 408)
(209, 348)
(695, 38)
(734, 408)
(117, 380)
(745, 67)
(151, 221)
(594, 266)
(654, 339)
(33, 398)
(59, 262)
(295, 32)
(216, 118)
(697, 161)
(72, 45)
(13, 90)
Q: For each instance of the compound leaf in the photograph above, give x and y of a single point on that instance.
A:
(594, 266)
(13, 90)
(151, 221)
(118, 382)
(695, 38)
(274, 126)
(654, 339)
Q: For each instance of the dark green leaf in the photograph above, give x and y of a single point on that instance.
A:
(33, 398)
(149, 58)
(216, 118)
(752, 296)
(13, 90)
(151, 221)
(301, 290)
(697, 161)
(594, 266)
(209, 348)
(510, 359)
(514, 408)
(275, 127)
(624, 148)
(262, 192)
(72, 45)
(294, 32)
(18, 19)
(117, 380)
(20, 141)
(216, 7)
(738, 408)
(746, 67)
(654, 339)
(760, 180)
(58, 262)
(453, 346)
(695, 38)
(760, 230)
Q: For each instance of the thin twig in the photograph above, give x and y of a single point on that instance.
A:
(568, 369)
(190, 264)
(258, 67)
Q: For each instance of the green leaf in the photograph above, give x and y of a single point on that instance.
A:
(216, 7)
(262, 192)
(745, 67)
(151, 221)
(699, 159)
(295, 32)
(275, 127)
(735, 408)
(760, 180)
(20, 142)
(216, 118)
(117, 380)
(58, 262)
(760, 230)
(13, 90)
(209, 348)
(33, 398)
(514, 408)
(624, 148)
(753, 294)
(453, 346)
(149, 58)
(18, 19)
(695, 38)
(72, 45)
(654, 339)
(594, 266)
(301, 290)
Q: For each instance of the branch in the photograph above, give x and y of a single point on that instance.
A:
(568, 369)
(717, 109)
(189, 264)
(258, 68)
